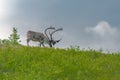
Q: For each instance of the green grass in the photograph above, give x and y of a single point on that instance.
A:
(34, 63)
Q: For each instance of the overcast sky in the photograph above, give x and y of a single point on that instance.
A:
(86, 23)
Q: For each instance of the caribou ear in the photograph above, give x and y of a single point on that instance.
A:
(56, 41)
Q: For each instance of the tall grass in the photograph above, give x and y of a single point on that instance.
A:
(34, 63)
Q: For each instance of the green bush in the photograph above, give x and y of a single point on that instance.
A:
(14, 37)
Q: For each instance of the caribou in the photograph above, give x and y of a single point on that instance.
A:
(43, 38)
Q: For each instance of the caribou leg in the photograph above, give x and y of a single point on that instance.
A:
(40, 44)
(28, 40)
(43, 45)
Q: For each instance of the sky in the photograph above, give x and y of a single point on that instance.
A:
(86, 23)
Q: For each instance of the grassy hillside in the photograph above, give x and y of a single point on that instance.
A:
(34, 63)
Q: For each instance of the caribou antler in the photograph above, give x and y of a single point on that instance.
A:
(59, 29)
(46, 31)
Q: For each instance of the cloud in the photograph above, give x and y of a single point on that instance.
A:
(6, 8)
(103, 28)
(5, 31)
(2, 8)
(104, 36)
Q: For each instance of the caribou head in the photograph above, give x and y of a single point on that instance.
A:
(52, 42)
